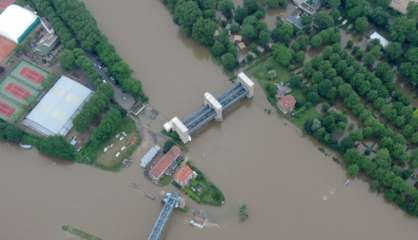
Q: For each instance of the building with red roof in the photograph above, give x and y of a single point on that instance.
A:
(287, 104)
(184, 175)
(164, 163)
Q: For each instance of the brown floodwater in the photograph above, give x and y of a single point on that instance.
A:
(292, 190)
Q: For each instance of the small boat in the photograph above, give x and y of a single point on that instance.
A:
(25, 146)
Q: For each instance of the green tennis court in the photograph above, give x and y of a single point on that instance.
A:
(30, 74)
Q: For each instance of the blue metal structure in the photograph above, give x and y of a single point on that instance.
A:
(171, 201)
(206, 114)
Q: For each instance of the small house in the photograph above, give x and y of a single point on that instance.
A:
(237, 38)
(287, 104)
(383, 41)
(184, 175)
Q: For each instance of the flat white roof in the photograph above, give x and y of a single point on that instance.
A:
(379, 37)
(55, 112)
(15, 21)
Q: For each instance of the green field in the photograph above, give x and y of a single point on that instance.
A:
(16, 73)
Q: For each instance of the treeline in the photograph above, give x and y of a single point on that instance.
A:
(76, 27)
(401, 30)
(108, 127)
(209, 23)
(97, 104)
(389, 168)
(52, 146)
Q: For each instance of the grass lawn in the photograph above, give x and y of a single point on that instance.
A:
(300, 118)
(260, 71)
(79, 233)
(108, 160)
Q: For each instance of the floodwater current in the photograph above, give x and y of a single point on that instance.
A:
(292, 190)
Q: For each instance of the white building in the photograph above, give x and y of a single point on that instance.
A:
(380, 38)
(17, 22)
(55, 112)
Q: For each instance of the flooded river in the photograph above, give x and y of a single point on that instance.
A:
(292, 190)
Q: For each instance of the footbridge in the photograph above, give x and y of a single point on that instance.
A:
(171, 201)
(212, 109)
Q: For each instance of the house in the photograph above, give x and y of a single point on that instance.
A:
(401, 5)
(164, 163)
(380, 38)
(282, 90)
(296, 21)
(308, 6)
(237, 38)
(149, 156)
(242, 46)
(287, 104)
(46, 44)
(184, 175)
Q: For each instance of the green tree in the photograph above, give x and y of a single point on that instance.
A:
(57, 147)
(323, 20)
(203, 31)
(226, 7)
(229, 61)
(353, 170)
(186, 13)
(248, 32)
(282, 54)
(67, 60)
(11, 134)
(283, 32)
(361, 25)
(273, 4)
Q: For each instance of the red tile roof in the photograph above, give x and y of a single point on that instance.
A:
(183, 175)
(164, 163)
(287, 102)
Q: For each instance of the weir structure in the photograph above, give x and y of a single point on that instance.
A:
(212, 108)
(171, 201)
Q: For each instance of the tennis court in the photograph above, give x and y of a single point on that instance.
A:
(18, 91)
(10, 111)
(5, 3)
(6, 48)
(30, 74)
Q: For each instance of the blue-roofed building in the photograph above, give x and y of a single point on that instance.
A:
(149, 156)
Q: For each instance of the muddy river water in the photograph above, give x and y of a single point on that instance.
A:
(292, 190)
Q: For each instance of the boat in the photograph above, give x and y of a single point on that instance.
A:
(25, 146)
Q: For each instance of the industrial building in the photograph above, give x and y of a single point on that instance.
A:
(55, 112)
(17, 22)
(164, 163)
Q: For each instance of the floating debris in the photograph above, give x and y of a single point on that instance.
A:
(150, 196)
(199, 219)
(347, 182)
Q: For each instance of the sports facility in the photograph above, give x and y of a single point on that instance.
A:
(10, 111)
(20, 89)
(30, 74)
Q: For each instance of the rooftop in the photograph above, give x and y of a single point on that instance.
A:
(183, 175)
(380, 38)
(16, 22)
(401, 5)
(54, 113)
(287, 103)
(164, 163)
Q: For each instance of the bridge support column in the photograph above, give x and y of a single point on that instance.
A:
(212, 102)
(178, 126)
(247, 83)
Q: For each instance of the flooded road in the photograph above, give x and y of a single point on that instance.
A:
(292, 190)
